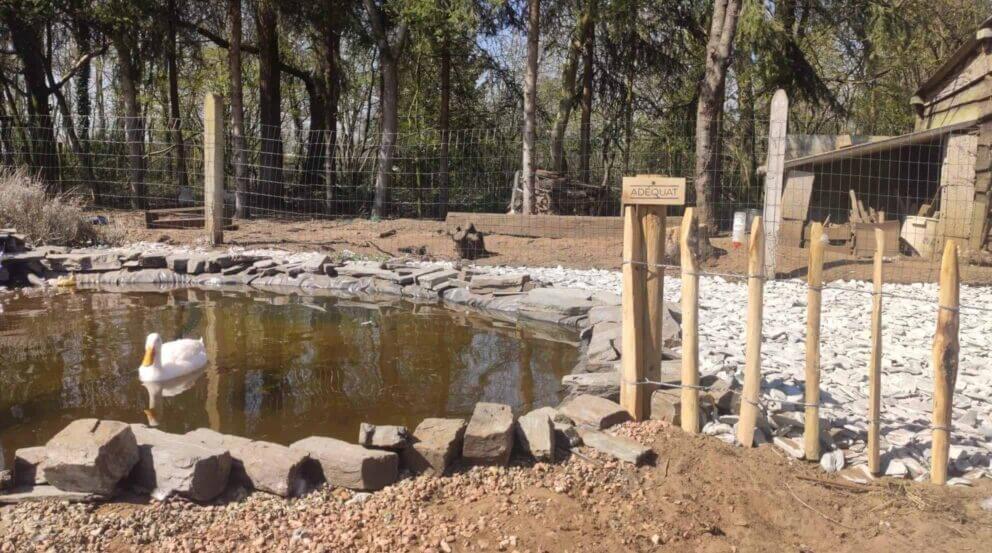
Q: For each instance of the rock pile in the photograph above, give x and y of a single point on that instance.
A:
(97, 459)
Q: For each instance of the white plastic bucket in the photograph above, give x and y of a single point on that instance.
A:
(740, 227)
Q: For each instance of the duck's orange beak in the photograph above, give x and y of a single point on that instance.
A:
(149, 357)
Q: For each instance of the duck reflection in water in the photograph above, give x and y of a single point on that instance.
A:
(167, 388)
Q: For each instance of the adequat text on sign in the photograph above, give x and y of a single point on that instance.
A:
(653, 190)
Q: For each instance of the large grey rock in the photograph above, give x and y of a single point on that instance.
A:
(171, 463)
(349, 465)
(29, 466)
(566, 436)
(90, 456)
(383, 436)
(265, 466)
(593, 411)
(436, 443)
(489, 435)
(601, 384)
(624, 449)
(536, 435)
(666, 405)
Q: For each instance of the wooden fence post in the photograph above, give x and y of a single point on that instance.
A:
(814, 299)
(945, 361)
(688, 256)
(875, 363)
(778, 134)
(632, 391)
(752, 354)
(652, 221)
(213, 170)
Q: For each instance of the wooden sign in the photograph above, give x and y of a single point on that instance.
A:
(653, 190)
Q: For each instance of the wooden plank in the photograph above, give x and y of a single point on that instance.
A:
(811, 434)
(795, 199)
(752, 348)
(778, 129)
(857, 216)
(689, 261)
(957, 187)
(633, 393)
(945, 361)
(864, 238)
(875, 361)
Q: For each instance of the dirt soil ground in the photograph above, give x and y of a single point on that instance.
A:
(699, 495)
(398, 237)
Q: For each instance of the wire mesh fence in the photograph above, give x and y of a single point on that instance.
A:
(921, 189)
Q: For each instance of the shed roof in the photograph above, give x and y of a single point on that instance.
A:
(959, 55)
(866, 148)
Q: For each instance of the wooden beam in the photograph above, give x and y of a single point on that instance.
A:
(778, 131)
(752, 352)
(945, 361)
(814, 293)
(633, 393)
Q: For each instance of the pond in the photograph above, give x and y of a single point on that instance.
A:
(282, 367)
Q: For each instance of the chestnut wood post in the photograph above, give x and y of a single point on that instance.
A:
(213, 168)
(652, 220)
(752, 354)
(688, 255)
(632, 391)
(945, 361)
(875, 363)
(814, 300)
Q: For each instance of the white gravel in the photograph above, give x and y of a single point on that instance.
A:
(909, 320)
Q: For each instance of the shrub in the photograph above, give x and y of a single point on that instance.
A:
(45, 219)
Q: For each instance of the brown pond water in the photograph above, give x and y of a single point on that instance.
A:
(281, 367)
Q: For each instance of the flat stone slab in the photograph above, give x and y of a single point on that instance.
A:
(536, 435)
(30, 494)
(29, 466)
(351, 466)
(601, 384)
(91, 456)
(666, 405)
(593, 411)
(624, 449)
(489, 435)
(436, 443)
(172, 463)
(383, 436)
(265, 466)
(561, 301)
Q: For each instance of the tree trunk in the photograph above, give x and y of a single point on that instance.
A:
(6, 135)
(710, 107)
(568, 96)
(528, 168)
(329, 74)
(389, 109)
(389, 53)
(269, 188)
(175, 120)
(27, 41)
(314, 162)
(130, 76)
(84, 107)
(238, 147)
(585, 130)
(444, 124)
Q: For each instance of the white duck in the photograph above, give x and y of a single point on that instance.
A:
(172, 359)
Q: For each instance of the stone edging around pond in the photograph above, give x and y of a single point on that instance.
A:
(95, 460)
(510, 297)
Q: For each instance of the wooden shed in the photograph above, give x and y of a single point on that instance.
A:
(934, 180)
